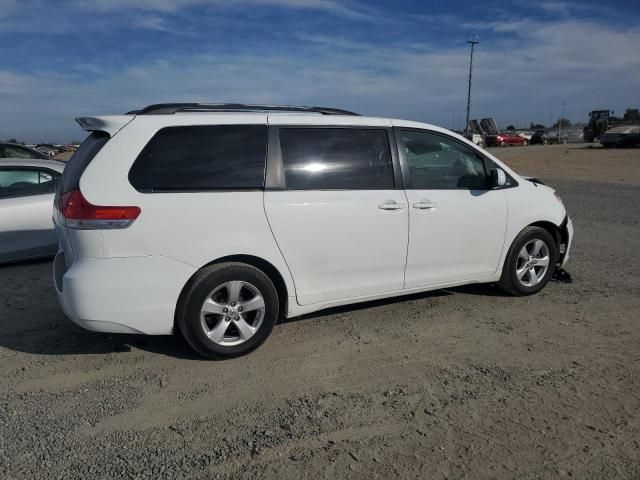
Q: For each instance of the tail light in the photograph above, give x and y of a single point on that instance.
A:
(77, 212)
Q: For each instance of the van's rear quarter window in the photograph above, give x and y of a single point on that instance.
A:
(202, 157)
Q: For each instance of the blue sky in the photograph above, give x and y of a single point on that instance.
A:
(67, 58)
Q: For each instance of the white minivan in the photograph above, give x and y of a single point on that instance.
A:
(219, 219)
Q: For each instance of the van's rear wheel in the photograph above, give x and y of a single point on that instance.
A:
(530, 262)
(228, 310)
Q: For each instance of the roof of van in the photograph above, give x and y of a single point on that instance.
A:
(171, 108)
(161, 115)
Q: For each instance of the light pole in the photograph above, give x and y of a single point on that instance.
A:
(473, 41)
(560, 124)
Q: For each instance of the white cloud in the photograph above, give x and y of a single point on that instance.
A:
(338, 79)
(523, 77)
(6, 7)
(570, 45)
(12, 83)
(557, 7)
(151, 22)
(25, 16)
(347, 9)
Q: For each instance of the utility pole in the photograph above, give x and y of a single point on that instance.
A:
(473, 41)
(560, 124)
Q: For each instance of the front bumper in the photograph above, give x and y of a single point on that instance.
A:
(121, 295)
(568, 231)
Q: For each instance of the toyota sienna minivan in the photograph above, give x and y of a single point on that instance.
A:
(219, 219)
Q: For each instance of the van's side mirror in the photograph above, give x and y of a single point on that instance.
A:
(498, 178)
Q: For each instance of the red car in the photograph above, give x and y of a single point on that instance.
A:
(504, 139)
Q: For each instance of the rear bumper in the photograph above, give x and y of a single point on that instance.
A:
(121, 295)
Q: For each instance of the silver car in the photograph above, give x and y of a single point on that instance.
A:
(14, 150)
(27, 188)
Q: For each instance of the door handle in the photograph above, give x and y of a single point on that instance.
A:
(425, 205)
(391, 205)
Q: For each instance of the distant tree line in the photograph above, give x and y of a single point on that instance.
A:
(631, 115)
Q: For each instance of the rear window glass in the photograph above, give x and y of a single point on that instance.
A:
(202, 158)
(336, 159)
(80, 160)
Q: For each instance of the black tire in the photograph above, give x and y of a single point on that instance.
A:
(509, 281)
(188, 313)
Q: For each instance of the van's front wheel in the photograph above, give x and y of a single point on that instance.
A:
(530, 262)
(228, 310)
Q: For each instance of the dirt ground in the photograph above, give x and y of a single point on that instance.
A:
(579, 161)
(463, 383)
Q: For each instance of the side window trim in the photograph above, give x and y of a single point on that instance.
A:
(398, 173)
(275, 178)
(55, 175)
(30, 169)
(404, 161)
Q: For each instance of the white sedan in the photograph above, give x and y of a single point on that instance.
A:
(27, 189)
(526, 135)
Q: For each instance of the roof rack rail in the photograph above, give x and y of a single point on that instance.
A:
(171, 108)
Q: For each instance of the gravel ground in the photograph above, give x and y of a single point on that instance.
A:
(463, 383)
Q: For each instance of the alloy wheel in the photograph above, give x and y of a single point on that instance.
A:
(532, 263)
(232, 313)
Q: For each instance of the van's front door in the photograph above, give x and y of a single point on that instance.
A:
(340, 222)
(457, 222)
